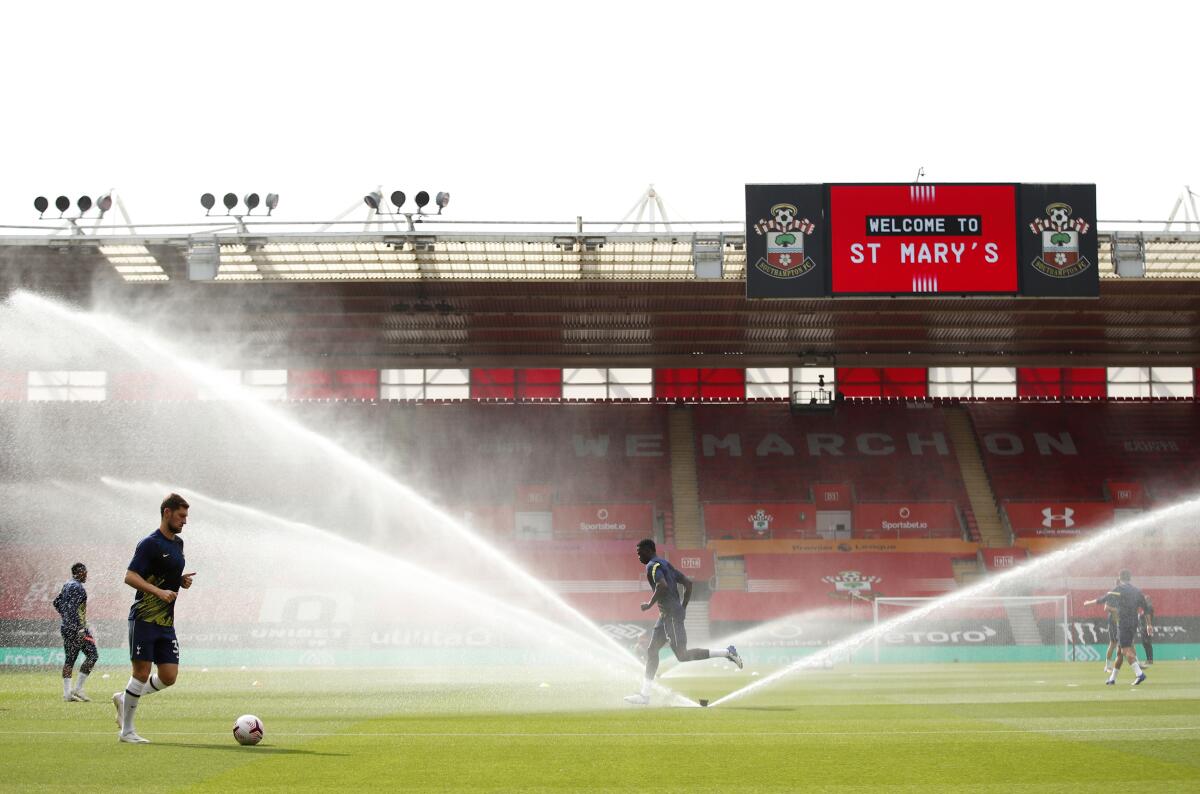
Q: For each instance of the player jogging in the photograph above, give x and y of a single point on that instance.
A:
(156, 573)
(71, 603)
(1128, 600)
(665, 580)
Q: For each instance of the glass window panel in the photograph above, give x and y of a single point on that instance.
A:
(447, 377)
(402, 391)
(949, 375)
(995, 390)
(994, 374)
(1129, 390)
(1128, 374)
(949, 389)
(627, 376)
(448, 392)
(1171, 389)
(265, 377)
(775, 391)
(767, 375)
(584, 391)
(624, 391)
(1170, 374)
(588, 375)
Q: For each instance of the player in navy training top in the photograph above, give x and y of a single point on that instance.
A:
(1128, 601)
(665, 581)
(71, 604)
(1113, 633)
(156, 573)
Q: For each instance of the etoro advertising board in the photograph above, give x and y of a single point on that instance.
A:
(947, 240)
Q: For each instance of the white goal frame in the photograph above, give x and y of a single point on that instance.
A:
(916, 601)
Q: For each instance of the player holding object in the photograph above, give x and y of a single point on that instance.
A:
(1128, 600)
(665, 580)
(156, 572)
(71, 604)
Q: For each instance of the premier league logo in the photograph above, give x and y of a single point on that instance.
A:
(1060, 233)
(785, 235)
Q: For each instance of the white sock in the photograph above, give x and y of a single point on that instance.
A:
(646, 684)
(66, 687)
(80, 681)
(153, 684)
(1113, 675)
(1137, 668)
(721, 652)
(133, 691)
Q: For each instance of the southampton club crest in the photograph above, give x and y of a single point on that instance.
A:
(785, 235)
(1060, 242)
(760, 521)
(852, 584)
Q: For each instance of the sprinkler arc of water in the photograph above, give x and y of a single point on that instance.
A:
(148, 345)
(980, 588)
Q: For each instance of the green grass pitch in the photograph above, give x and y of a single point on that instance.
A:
(977, 728)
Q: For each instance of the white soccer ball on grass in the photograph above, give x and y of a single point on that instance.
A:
(248, 729)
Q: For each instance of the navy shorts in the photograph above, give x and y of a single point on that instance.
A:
(75, 643)
(149, 642)
(670, 628)
(1126, 630)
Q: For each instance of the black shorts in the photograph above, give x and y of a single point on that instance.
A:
(1126, 631)
(670, 627)
(149, 642)
(75, 643)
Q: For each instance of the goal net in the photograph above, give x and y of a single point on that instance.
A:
(971, 629)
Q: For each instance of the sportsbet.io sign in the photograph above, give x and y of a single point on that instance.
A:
(848, 240)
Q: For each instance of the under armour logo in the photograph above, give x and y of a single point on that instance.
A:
(1065, 517)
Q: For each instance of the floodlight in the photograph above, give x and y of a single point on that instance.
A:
(398, 198)
(208, 201)
(272, 202)
(62, 203)
(422, 199)
(41, 204)
(230, 201)
(373, 199)
(104, 203)
(442, 200)
(84, 203)
(251, 201)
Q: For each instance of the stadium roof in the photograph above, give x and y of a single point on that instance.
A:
(527, 299)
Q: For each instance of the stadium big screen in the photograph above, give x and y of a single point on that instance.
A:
(864, 240)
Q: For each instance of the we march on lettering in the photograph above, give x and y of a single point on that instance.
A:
(737, 445)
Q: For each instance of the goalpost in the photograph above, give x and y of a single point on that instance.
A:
(972, 628)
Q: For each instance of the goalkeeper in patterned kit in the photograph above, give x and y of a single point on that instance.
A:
(156, 573)
(1113, 646)
(71, 604)
(1128, 601)
(665, 580)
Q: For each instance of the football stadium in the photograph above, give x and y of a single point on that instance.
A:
(919, 466)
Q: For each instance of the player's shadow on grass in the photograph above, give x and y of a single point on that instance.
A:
(249, 750)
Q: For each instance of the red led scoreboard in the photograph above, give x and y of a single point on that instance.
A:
(898, 239)
(861, 240)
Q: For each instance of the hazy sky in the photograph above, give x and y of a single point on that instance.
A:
(548, 111)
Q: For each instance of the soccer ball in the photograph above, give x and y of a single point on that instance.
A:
(248, 729)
